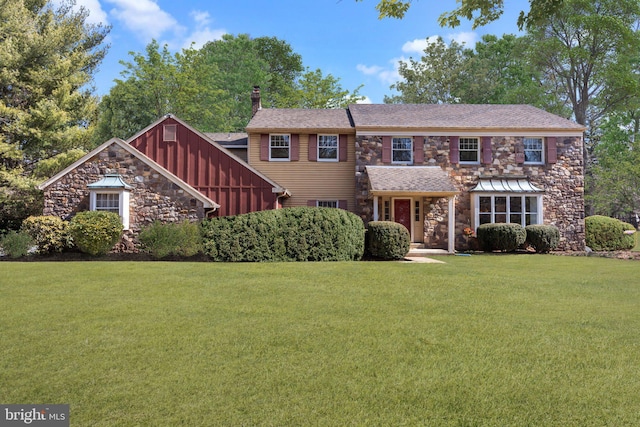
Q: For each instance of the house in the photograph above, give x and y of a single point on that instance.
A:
(436, 169)
(168, 172)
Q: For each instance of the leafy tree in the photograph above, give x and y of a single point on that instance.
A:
(159, 83)
(317, 91)
(614, 186)
(48, 55)
(480, 12)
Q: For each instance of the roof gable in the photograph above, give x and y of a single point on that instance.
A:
(149, 162)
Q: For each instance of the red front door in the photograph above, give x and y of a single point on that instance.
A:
(402, 212)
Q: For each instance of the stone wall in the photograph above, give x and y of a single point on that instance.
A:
(153, 197)
(563, 182)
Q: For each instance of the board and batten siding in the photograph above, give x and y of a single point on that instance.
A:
(309, 180)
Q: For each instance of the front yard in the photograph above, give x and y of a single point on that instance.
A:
(481, 340)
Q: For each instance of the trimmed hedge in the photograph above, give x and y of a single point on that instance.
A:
(387, 240)
(501, 237)
(543, 238)
(608, 234)
(290, 234)
(50, 233)
(181, 239)
(95, 232)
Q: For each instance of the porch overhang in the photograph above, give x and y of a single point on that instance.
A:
(412, 181)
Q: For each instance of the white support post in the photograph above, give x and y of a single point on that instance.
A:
(452, 224)
(375, 208)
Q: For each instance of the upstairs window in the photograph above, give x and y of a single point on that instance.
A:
(328, 148)
(402, 150)
(469, 149)
(279, 146)
(533, 150)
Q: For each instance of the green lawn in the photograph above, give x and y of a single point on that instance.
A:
(483, 340)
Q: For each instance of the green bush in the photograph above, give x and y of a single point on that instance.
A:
(291, 234)
(387, 240)
(501, 237)
(16, 244)
(608, 234)
(181, 239)
(95, 232)
(543, 238)
(49, 233)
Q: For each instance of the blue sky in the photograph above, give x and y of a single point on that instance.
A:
(344, 38)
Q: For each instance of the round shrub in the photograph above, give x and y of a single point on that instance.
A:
(95, 232)
(291, 234)
(387, 240)
(181, 239)
(16, 244)
(608, 234)
(543, 238)
(501, 237)
(49, 233)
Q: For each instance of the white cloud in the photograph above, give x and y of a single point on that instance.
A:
(387, 75)
(418, 45)
(469, 39)
(375, 69)
(202, 32)
(144, 18)
(366, 100)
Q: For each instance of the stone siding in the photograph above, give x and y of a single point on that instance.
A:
(563, 183)
(153, 197)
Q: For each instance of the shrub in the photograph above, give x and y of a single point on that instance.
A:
(387, 240)
(501, 237)
(181, 239)
(95, 232)
(608, 234)
(543, 238)
(16, 244)
(49, 233)
(291, 234)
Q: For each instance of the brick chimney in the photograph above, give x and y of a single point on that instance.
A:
(255, 101)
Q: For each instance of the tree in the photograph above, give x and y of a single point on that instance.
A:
(588, 49)
(317, 91)
(47, 59)
(614, 185)
(480, 12)
(497, 71)
(159, 83)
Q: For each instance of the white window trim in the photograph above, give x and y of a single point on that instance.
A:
(476, 206)
(279, 159)
(460, 150)
(542, 151)
(337, 148)
(123, 203)
(410, 161)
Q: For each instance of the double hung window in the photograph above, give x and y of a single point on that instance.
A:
(533, 150)
(402, 150)
(279, 147)
(328, 148)
(469, 149)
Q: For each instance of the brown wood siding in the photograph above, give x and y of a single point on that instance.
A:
(209, 169)
(310, 180)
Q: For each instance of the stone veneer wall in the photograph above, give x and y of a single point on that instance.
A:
(563, 182)
(154, 197)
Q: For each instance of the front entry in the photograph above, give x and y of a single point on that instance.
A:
(402, 212)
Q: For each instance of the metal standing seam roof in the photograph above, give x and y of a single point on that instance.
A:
(410, 179)
(110, 181)
(505, 185)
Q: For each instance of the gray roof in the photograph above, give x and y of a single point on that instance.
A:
(300, 118)
(410, 179)
(506, 185)
(229, 139)
(457, 116)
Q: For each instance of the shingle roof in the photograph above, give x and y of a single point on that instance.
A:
(457, 116)
(229, 138)
(410, 179)
(299, 118)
